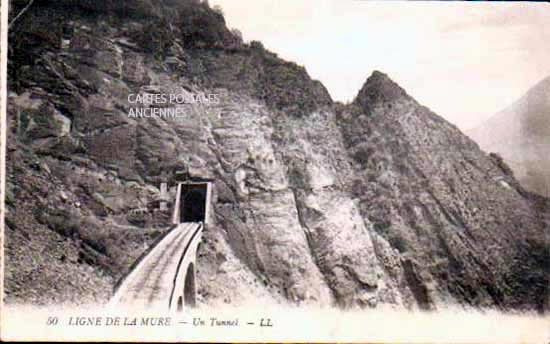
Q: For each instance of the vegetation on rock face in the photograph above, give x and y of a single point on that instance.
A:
(202, 27)
(435, 196)
(214, 55)
(155, 37)
(64, 227)
(252, 70)
(376, 202)
(501, 164)
(378, 89)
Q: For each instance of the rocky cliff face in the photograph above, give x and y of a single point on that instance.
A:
(376, 202)
(520, 135)
(447, 209)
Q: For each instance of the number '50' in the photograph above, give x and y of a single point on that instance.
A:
(52, 321)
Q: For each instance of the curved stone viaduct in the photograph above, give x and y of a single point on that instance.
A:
(164, 278)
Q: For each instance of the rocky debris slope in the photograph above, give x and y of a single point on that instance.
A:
(61, 247)
(376, 202)
(520, 134)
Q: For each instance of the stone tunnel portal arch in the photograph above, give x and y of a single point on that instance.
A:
(193, 202)
(189, 287)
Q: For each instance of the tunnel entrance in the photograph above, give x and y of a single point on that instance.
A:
(193, 202)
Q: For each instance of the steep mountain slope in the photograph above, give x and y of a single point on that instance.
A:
(377, 202)
(520, 134)
(450, 210)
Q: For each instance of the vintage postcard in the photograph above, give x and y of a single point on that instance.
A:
(276, 171)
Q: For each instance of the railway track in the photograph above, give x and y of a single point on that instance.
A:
(159, 280)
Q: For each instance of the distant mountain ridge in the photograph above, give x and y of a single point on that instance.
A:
(521, 135)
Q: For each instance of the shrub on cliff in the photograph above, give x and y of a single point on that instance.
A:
(499, 161)
(202, 26)
(155, 38)
(62, 221)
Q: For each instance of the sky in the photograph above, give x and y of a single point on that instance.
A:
(464, 60)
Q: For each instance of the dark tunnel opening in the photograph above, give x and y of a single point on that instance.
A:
(193, 203)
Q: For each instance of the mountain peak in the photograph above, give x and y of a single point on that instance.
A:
(378, 88)
(378, 75)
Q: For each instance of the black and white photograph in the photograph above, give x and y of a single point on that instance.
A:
(238, 170)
